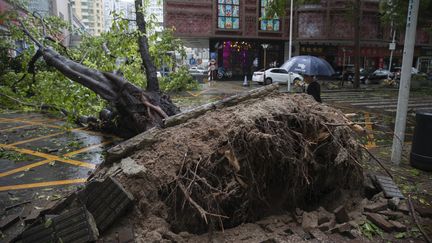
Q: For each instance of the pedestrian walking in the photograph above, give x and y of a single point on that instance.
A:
(313, 88)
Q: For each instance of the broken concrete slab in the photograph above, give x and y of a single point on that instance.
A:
(341, 214)
(399, 227)
(375, 207)
(392, 214)
(32, 217)
(319, 235)
(340, 228)
(380, 221)
(131, 169)
(9, 220)
(76, 225)
(310, 220)
(106, 200)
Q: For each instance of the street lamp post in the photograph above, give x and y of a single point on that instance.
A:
(265, 46)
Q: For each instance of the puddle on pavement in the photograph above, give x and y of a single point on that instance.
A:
(31, 152)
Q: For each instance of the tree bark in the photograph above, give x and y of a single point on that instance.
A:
(150, 69)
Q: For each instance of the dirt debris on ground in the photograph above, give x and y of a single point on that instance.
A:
(241, 163)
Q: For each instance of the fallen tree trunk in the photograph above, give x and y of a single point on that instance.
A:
(137, 110)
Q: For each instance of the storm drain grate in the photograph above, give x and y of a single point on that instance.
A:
(388, 186)
(75, 225)
(105, 200)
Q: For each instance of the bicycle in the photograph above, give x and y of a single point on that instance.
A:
(223, 73)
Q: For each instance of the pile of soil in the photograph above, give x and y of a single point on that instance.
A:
(239, 164)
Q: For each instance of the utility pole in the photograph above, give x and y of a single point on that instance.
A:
(290, 44)
(405, 80)
(357, 44)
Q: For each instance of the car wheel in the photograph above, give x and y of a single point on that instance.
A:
(268, 81)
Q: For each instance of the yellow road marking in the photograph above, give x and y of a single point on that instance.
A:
(36, 138)
(31, 122)
(14, 128)
(46, 161)
(371, 139)
(42, 184)
(48, 156)
(70, 154)
(24, 168)
(42, 137)
(197, 94)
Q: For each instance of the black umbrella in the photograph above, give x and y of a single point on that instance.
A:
(308, 65)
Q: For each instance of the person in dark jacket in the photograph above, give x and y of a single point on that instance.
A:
(313, 88)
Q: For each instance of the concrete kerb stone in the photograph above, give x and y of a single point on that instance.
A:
(102, 202)
(74, 225)
(106, 200)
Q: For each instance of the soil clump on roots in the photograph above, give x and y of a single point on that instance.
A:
(238, 164)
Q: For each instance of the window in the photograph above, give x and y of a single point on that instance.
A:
(228, 14)
(268, 23)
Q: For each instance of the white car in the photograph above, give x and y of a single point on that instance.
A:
(278, 75)
(197, 70)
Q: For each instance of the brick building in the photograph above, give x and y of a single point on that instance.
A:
(234, 30)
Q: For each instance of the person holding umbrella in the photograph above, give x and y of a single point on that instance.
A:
(313, 88)
(310, 66)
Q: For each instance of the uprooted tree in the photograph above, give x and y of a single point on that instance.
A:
(135, 109)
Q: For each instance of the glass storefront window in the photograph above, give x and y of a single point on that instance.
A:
(228, 14)
(267, 23)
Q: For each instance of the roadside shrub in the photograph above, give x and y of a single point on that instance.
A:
(180, 80)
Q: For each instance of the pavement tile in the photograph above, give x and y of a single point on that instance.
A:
(10, 159)
(30, 132)
(48, 172)
(65, 143)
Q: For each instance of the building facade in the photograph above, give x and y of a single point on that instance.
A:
(90, 12)
(126, 8)
(234, 31)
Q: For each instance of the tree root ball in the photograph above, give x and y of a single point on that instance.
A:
(238, 164)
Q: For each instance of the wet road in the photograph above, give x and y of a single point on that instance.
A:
(41, 160)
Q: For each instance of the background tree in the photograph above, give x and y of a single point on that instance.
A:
(93, 60)
(394, 13)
